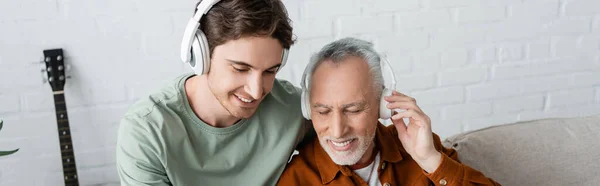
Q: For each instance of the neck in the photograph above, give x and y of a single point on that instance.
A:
(205, 105)
(367, 158)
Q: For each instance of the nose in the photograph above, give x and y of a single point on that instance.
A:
(338, 129)
(254, 86)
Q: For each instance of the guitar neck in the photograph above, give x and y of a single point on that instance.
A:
(66, 144)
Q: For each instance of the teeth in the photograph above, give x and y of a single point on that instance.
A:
(244, 99)
(341, 144)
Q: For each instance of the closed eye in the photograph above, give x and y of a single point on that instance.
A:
(323, 112)
(240, 69)
(353, 111)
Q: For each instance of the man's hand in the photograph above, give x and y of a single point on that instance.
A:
(416, 137)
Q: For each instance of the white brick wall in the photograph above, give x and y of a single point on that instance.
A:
(470, 64)
(415, 82)
(486, 54)
(424, 19)
(479, 14)
(511, 52)
(439, 96)
(597, 95)
(467, 111)
(381, 6)
(494, 89)
(597, 24)
(403, 42)
(582, 8)
(519, 103)
(317, 9)
(538, 49)
(487, 121)
(463, 76)
(559, 99)
(454, 58)
(535, 9)
(351, 25)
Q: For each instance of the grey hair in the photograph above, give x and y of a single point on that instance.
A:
(341, 49)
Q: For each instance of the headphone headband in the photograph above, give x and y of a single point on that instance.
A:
(203, 7)
(389, 69)
(192, 27)
(383, 59)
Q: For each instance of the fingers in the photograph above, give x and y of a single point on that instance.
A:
(403, 105)
(413, 114)
(400, 126)
(399, 97)
(408, 114)
(400, 101)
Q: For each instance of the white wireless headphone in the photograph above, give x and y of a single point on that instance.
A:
(194, 46)
(384, 112)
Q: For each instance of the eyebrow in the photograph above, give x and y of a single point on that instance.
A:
(250, 66)
(359, 104)
(321, 105)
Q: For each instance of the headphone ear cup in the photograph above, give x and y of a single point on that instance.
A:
(304, 103)
(205, 51)
(284, 57)
(384, 112)
(196, 61)
(200, 54)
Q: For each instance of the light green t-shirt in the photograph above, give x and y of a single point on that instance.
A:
(162, 142)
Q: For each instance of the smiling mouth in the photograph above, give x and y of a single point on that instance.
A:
(341, 144)
(244, 99)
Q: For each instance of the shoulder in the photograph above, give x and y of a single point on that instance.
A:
(284, 91)
(282, 104)
(150, 113)
(302, 167)
(167, 100)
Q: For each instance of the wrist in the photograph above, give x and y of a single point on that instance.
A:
(431, 163)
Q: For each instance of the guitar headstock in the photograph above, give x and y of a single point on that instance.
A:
(55, 68)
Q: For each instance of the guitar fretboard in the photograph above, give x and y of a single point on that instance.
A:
(66, 144)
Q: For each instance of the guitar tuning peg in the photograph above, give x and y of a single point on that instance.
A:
(68, 77)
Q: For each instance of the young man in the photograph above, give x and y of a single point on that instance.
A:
(231, 123)
(343, 88)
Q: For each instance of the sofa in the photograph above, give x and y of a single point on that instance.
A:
(559, 151)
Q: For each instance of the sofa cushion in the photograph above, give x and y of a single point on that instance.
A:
(542, 152)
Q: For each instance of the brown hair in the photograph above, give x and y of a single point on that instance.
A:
(232, 19)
